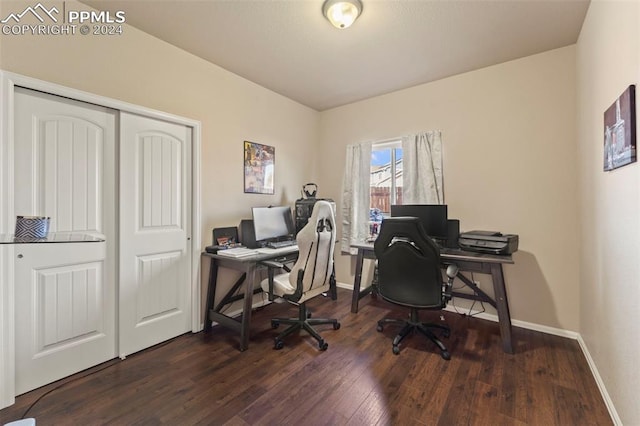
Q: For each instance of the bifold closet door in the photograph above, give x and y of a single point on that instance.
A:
(155, 229)
(64, 159)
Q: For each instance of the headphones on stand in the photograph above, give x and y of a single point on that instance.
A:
(307, 192)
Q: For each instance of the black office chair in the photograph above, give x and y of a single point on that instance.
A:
(409, 274)
(311, 275)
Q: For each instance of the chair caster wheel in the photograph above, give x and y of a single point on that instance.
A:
(379, 327)
(322, 345)
(336, 326)
(396, 350)
(308, 314)
(275, 324)
(279, 344)
(446, 355)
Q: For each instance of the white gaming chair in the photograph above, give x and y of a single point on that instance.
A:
(311, 275)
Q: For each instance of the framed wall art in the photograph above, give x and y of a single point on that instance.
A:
(259, 168)
(620, 131)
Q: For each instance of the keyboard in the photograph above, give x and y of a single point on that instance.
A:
(276, 251)
(280, 244)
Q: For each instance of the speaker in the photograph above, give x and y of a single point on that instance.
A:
(248, 234)
(453, 233)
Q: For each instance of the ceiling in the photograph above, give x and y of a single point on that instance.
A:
(289, 47)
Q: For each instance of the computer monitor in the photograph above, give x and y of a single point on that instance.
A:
(272, 223)
(432, 216)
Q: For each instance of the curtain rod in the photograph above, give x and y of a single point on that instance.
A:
(387, 141)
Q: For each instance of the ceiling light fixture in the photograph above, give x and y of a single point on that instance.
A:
(342, 13)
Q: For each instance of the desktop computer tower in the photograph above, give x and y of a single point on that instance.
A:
(304, 208)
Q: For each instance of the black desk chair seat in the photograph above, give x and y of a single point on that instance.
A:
(409, 274)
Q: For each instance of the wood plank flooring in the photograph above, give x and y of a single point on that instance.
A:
(203, 379)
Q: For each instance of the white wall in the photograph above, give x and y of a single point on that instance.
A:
(510, 165)
(608, 61)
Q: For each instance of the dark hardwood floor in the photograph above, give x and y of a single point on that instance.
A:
(203, 378)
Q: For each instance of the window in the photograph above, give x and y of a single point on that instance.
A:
(386, 179)
(402, 170)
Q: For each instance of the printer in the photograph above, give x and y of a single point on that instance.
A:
(488, 242)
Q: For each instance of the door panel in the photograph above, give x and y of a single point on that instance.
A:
(65, 292)
(71, 177)
(61, 312)
(155, 274)
(64, 146)
(159, 171)
(159, 286)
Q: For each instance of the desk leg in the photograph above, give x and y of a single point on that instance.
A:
(246, 309)
(357, 281)
(211, 292)
(504, 317)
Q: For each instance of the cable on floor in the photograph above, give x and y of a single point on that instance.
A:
(117, 362)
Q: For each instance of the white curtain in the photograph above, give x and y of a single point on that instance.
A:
(355, 196)
(422, 168)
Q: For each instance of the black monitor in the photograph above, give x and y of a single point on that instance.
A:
(432, 216)
(272, 223)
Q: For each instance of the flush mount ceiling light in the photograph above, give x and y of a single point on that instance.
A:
(342, 13)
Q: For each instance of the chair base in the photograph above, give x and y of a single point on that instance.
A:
(415, 324)
(303, 322)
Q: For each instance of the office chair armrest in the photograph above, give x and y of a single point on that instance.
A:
(299, 288)
(272, 264)
(275, 264)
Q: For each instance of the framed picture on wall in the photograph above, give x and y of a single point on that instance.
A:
(620, 131)
(259, 168)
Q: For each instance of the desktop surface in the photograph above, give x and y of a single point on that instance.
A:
(448, 253)
(248, 255)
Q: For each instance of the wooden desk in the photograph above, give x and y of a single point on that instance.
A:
(249, 266)
(467, 262)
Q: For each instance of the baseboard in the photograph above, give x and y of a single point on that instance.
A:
(523, 324)
(345, 286)
(596, 375)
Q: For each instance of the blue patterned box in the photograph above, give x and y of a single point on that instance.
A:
(32, 226)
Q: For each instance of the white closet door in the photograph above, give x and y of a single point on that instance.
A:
(155, 228)
(65, 293)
